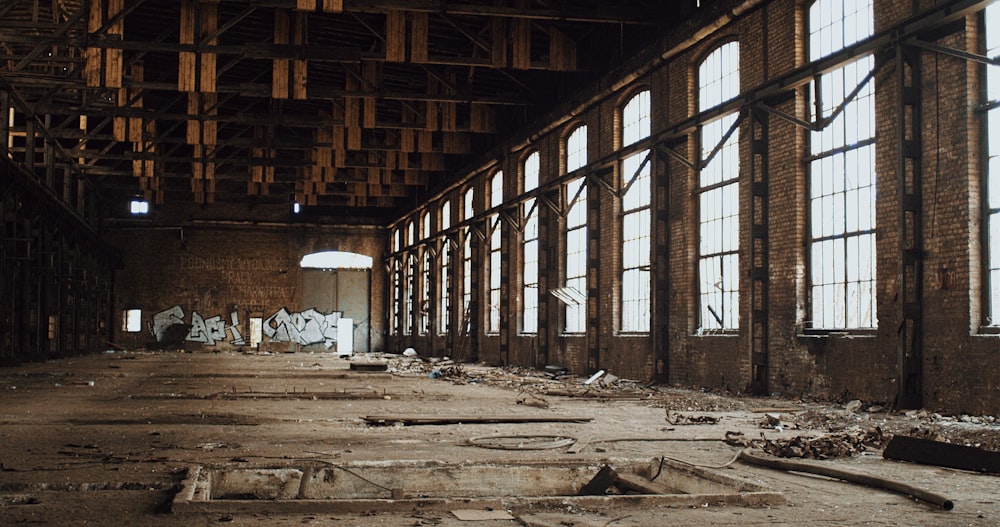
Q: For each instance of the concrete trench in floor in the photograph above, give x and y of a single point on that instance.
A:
(397, 486)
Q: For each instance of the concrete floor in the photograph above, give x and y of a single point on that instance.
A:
(107, 439)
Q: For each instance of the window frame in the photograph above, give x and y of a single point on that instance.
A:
(830, 194)
(530, 177)
(718, 193)
(444, 266)
(495, 261)
(575, 226)
(990, 111)
(635, 303)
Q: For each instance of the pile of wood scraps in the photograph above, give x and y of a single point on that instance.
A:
(826, 446)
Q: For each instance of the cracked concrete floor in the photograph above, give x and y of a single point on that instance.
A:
(106, 440)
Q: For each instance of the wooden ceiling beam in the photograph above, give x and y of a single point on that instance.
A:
(569, 13)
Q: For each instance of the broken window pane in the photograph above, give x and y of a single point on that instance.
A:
(576, 254)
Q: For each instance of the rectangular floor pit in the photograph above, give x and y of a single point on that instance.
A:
(407, 485)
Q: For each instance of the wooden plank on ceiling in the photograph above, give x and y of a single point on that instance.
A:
(520, 35)
(449, 116)
(562, 51)
(354, 138)
(407, 140)
(193, 125)
(280, 67)
(209, 126)
(419, 35)
(425, 141)
(482, 118)
(300, 67)
(333, 6)
(113, 58)
(370, 73)
(456, 143)
(135, 126)
(94, 56)
(431, 120)
(395, 36)
(432, 161)
(186, 72)
(208, 69)
(498, 42)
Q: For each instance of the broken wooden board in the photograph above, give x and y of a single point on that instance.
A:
(579, 445)
(369, 366)
(469, 419)
(600, 483)
(473, 515)
(928, 452)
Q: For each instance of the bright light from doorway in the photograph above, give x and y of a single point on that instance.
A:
(336, 260)
(138, 207)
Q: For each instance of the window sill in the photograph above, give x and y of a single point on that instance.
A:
(717, 333)
(837, 333)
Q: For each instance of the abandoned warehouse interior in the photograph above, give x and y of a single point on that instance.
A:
(791, 200)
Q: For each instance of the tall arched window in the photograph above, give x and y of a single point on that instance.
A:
(719, 193)
(425, 275)
(496, 199)
(444, 276)
(395, 291)
(409, 280)
(576, 234)
(842, 172)
(992, 25)
(636, 217)
(469, 211)
(529, 271)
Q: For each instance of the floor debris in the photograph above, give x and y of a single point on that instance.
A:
(938, 453)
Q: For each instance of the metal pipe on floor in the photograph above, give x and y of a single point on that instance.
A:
(863, 479)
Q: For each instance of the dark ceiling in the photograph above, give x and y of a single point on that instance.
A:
(354, 106)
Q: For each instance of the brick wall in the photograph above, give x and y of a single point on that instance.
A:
(217, 267)
(959, 367)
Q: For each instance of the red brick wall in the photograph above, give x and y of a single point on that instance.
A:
(960, 367)
(216, 267)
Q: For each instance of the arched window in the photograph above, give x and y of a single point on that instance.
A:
(444, 277)
(575, 264)
(496, 199)
(992, 25)
(842, 172)
(529, 272)
(425, 276)
(718, 193)
(636, 217)
(469, 211)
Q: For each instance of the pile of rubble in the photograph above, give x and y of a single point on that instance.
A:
(826, 446)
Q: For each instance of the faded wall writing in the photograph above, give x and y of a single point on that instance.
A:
(305, 328)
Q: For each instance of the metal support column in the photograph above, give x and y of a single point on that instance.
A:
(759, 261)
(661, 271)
(911, 243)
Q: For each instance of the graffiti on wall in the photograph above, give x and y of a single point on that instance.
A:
(305, 328)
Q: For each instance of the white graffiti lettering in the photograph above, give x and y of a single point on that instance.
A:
(305, 328)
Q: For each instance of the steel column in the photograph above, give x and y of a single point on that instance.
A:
(759, 260)
(910, 228)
